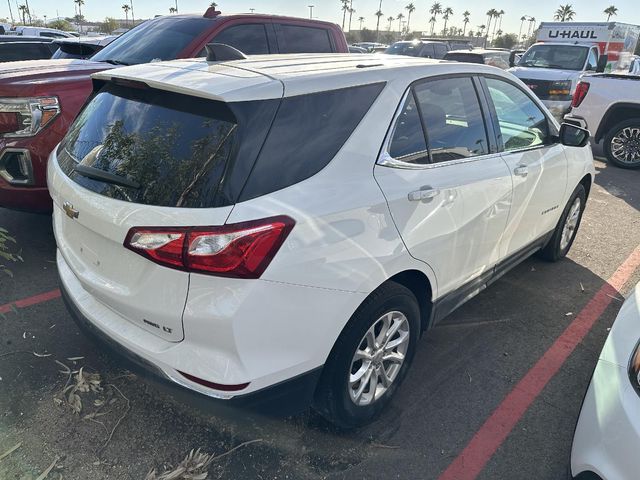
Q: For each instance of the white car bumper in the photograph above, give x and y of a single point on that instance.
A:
(257, 332)
(607, 437)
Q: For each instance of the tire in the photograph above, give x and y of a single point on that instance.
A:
(622, 138)
(559, 245)
(335, 397)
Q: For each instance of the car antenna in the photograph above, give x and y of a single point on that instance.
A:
(219, 52)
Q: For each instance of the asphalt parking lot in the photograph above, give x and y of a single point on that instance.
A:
(494, 392)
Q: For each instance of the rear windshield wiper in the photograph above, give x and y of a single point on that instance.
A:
(102, 176)
(116, 62)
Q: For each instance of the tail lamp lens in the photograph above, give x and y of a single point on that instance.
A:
(26, 117)
(241, 250)
(634, 368)
(581, 91)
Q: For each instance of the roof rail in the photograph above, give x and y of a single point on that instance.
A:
(219, 52)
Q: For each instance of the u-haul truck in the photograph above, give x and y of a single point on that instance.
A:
(564, 51)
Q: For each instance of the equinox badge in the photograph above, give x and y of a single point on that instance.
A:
(69, 210)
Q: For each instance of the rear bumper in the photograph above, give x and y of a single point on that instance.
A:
(29, 199)
(608, 431)
(285, 398)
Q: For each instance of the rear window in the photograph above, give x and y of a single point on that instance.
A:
(160, 39)
(14, 51)
(304, 39)
(464, 57)
(159, 148)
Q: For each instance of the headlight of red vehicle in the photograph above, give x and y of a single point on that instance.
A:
(25, 117)
(634, 368)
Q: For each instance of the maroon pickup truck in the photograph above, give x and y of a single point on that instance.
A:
(40, 99)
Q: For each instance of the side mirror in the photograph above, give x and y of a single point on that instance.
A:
(572, 136)
(602, 63)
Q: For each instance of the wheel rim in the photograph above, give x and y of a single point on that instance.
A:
(570, 224)
(378, 358)
(625, 145)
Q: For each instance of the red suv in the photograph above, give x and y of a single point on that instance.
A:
(40, 99)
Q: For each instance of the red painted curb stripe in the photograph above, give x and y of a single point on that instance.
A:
(470, 462)
(29, 301)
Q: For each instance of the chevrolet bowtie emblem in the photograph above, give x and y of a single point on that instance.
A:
(69, 210)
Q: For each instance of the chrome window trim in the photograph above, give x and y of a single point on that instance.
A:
(386, 160)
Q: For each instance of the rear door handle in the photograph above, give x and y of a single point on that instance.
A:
(521, 171)
(425, 193)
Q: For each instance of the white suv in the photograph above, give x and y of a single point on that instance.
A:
(285, 227)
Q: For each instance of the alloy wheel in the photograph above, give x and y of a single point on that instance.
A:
(625, 145)
(378, 358)
(571, 224)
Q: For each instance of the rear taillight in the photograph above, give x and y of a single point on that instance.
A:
(578, 96)
(240, 250)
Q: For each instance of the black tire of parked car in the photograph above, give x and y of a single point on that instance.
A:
(553, 252)
(611, 134)
(332, 398)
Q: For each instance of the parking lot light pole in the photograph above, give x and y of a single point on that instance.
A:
(311, 11)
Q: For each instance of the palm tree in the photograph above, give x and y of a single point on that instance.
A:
(28, 11)
(446, 13)
(532, 23)
(23, 10)
(609, 11)
(79, 3)
(496, 15)
(490, 14)
(435, 10)
(345, 9)
(500, 14)
(409, 8)
(432, 21)
(133, 18)
(351, 12)
(361, 19)
(466, 14)
(172, 10)
(213, 4)
(391, 19)
(126, 9)
(565, 13)
(399, 18)
(481, 29)
(522, 20)
(378, 14)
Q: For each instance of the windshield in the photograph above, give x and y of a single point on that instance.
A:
(563, 57)
(160, 39)
(405, 48)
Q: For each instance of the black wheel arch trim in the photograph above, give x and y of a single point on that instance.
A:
(609, 114)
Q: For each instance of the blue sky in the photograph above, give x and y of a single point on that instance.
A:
(587, 10)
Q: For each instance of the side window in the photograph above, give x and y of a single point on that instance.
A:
(297, 39)
(452, 119)
(250, 38)
(592, 63)
(522, 123)
(428, 51)
(407, 141)
(441, 50)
